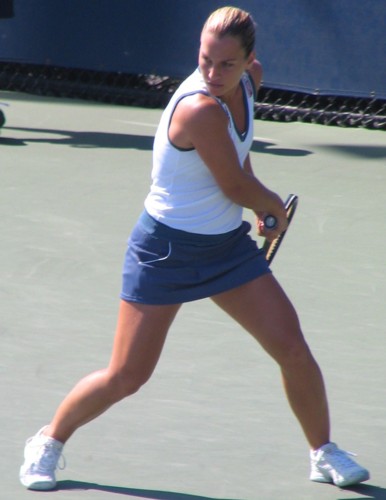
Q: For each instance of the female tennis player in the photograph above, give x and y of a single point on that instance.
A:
(190, 243)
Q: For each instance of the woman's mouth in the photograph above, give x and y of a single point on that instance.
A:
(214, 85)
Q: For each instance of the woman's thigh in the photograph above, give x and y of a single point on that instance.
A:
(140, 335)
(264, 310)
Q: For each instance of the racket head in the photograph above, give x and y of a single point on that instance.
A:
(270, 248)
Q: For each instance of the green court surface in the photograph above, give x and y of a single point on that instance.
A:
(213, 422)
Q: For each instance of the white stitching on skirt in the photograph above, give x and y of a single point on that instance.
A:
(161, 258)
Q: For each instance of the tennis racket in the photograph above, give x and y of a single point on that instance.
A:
(271, 247)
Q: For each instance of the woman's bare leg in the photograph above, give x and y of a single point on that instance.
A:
(139, 339)
(264, 310)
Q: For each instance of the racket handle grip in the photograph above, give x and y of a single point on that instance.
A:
(270, 222)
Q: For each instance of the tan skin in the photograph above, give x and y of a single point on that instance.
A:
(260, 306)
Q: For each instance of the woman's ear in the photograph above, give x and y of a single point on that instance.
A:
(250, 59)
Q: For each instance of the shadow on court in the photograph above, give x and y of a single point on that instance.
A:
(364, 151)
(270, 148)
(78, 139)
(371, 492)
(108, 140)
(133, 492)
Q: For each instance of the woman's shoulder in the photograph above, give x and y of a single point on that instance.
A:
(201, 107)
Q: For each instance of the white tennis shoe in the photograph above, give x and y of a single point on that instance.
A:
(329, 464)
(41, 458)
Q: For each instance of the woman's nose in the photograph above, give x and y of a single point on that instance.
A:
(213, 73)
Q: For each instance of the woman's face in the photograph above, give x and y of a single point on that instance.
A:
(222, 61)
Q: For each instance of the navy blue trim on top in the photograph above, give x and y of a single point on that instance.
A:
(243, 135)
(253, 86)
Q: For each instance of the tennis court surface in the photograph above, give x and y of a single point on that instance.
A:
(213, 423)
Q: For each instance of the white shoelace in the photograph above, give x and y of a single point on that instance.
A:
(47, 458)
(342, 458)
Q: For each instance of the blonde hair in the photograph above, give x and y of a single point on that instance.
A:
(235, 22)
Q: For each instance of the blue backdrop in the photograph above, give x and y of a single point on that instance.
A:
(328, 46)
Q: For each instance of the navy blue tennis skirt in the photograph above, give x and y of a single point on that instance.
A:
(169, 266)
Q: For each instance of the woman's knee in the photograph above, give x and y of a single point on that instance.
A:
(126, 383)
(296, 356)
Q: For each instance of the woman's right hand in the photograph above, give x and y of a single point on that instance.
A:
(278, 212)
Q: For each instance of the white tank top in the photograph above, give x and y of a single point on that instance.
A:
(184, 194)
